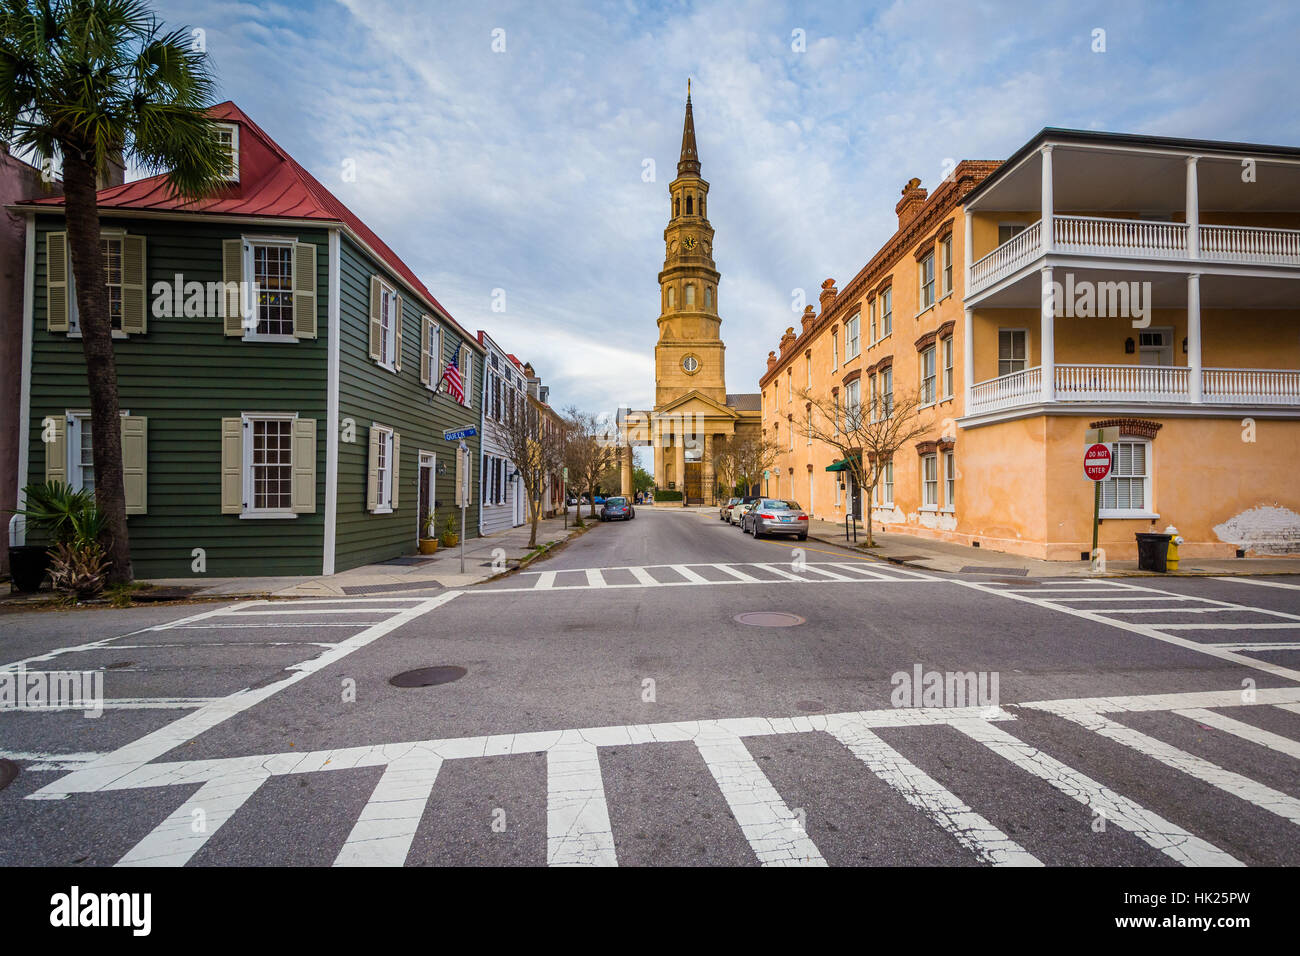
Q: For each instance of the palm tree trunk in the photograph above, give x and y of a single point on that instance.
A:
(97, 346)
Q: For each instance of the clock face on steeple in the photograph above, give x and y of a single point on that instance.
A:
(689, 243)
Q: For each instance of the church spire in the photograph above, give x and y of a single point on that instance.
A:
(690, 161)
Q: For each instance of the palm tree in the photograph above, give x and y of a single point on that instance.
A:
(89, 81)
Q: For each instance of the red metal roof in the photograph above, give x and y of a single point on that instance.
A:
(271, 185)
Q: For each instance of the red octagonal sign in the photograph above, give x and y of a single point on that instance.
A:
(1096, 462)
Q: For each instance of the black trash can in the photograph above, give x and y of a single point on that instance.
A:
(28, 565)
(1153, 551)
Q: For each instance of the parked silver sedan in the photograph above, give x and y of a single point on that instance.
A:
(775, 516)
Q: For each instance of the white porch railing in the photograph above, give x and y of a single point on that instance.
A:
(1249, 244)
(1007, 391)
(1120, 237)
(1139, 239)
(1252, 386)
(1121, 383)
(1155, 384)
(1021, 248)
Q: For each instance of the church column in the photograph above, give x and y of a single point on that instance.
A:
(679, 463)
(661, 458)
(708, 469)
(625, 453)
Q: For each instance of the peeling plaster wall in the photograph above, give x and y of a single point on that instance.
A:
(1267, 529)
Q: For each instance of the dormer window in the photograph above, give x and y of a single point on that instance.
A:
(228, 139)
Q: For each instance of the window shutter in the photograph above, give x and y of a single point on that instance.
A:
(135, 462)
(372, 470)
(376, 299)
(56, 282)
(460, 479)
(395, 467)
(135, 319)
(425, 324)
(304, 290)
(303, 492)
(232, 270)
(466, 364)
(397, 336)
(232, 466)
(56, 450)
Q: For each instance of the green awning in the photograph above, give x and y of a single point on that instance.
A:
(841, 465)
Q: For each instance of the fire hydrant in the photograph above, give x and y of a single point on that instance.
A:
(1171, 559)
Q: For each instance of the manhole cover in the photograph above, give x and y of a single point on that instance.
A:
(769, 619)
(428, 676)
(8, 770)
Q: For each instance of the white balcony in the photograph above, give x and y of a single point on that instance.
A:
(1136, 239)
(1138, 384)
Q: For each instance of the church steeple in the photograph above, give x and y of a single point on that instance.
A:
(689, 164)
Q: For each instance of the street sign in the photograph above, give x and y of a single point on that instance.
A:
(1096, 462)
(456, 434)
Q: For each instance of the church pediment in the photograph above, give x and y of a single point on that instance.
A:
(695, 402)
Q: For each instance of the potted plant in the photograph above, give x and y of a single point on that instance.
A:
(429, 540)
(449, 537)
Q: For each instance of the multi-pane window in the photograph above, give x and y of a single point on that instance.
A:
(949, 481)
(852, 344)
(465, 363)
(873, 399)
(1011, 351)
(433, 373)
(886, 312)
(228, 140)
(807, 361)
(273, 273)
(927, 281)
(384, 470)
(1009, 230)
(929, 481)
(835, 349)
(271, 466)
(945, 248)
(886, 393)
(388, 322)
(853, 403)
(873, 330)
(927, 376)
(112, 250)
(81, 463)
(885, 485)
(947, 367)
(1127, 489)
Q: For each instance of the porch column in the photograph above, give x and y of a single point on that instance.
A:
(679, 463)
(968, 251)
(626, 483)
(707, 468)
(968, 358)
(1194, 337)
(661, 458)
(1045, 227)
(1193, 211)
(1047, 339)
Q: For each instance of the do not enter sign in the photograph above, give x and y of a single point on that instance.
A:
(1096, 462)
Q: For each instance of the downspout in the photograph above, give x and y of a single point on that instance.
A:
(332, 408)
(17, 523)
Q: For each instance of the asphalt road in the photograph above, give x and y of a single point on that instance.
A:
(613, 709)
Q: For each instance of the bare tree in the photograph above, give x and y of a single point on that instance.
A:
(867, 436)
(740, 460)
(536, 447)
(590, 452)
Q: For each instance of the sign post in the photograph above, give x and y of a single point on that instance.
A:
(564, 495)
(462, 489)
(1096, 466)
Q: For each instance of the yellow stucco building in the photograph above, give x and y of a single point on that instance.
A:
(693, 410)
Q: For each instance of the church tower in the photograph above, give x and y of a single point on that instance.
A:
(690, 353)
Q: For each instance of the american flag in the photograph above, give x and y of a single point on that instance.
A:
(451, 376)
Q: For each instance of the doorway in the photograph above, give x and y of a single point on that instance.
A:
(427, 479)
(1156, 347)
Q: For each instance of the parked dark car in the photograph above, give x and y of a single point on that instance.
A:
(617, 509)
(776, 516)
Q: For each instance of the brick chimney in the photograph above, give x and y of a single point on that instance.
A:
(913, 197)
(114, 173)
(788, 338)
(829, 292)
(771, 361)
(809, 316)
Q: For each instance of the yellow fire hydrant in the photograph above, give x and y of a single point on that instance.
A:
(1171, 558)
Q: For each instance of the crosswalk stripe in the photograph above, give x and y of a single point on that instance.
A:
(775, 569)
(736, 573)
(1261, 645)
(819, 569)
(175, 841)
(578, 831)
(922, 791)
(1270, 626)
(774, 832)
(869, 573)
(1147, 826)
(643, 577)
(383, 833)
(689, 575)
(594, 578)
(1083, 600)
(545, 581)
(1239, 728)
(1290, 708)
(1261, 583)
(1264, 797)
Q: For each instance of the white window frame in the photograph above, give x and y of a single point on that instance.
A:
(232, 172)
(388, 340)
(945, 265)
(248, 509)
(886, 392)
(464, 361)
(76, 421)
(853, 337)
(885, 486)
(929, 376)
(947, 367)
(74, 317)
(1024, 362)
(835, 349)
(247, 255)
(929, 482)
(434, 371)
(948, 475)
(385, 476)
(853, 403)
(887, 312)
(1147, 510)
(925, 291)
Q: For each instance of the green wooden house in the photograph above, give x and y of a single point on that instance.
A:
(283, 375)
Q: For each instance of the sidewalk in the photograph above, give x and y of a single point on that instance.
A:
(413, 573)
(929, 555)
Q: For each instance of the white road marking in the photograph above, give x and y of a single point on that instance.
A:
(130, 757)
(821, 569)
(736, 573)
(383, 833)
(1147, 826)
(1281, 696)
(643, 577)
(1088, 599)
(1290, 708)
(970, 829)
(693, 577)
(175, 841)
(545, 581)
(778, 570)
(594, 578)
(295, 611)
(1268, 626)
(775, 833)
(1261, 645)
(578, 831)
(1239, 728)
(1262, 583)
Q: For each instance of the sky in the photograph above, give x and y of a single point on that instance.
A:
(501, 148)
